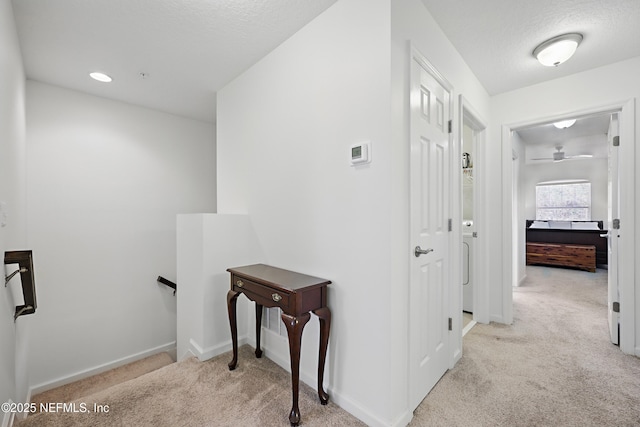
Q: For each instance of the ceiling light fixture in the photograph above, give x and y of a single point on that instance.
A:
(565, 124)
(557, 50)
(101, 77)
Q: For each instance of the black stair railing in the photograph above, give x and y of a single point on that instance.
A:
(169, 283)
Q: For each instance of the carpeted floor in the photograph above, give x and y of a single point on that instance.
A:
(193, 393)
(555, 366)
(93, 384)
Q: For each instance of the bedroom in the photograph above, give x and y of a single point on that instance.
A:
(561, 173)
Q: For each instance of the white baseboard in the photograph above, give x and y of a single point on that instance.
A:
(21, 416)
(7, 420)
(187, 354)
(361, 412)
(39, 388)
(403, 420)
(495, 318)
(468, 327)
(276, 348)
(207, 353)
(522, 279)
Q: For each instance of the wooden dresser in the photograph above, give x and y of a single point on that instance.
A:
(562, 254)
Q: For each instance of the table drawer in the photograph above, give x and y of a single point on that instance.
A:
(260, 293)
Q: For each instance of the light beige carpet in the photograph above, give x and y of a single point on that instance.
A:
(555, 366)
(93, 384)
(194, 393)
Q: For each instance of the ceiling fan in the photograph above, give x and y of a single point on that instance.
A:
(559, 155)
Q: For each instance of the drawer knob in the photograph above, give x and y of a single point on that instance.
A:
(276, 297)
(239, 283)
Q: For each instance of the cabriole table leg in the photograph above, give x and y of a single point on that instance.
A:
(232, 298)
(324, 314)
(295, 325)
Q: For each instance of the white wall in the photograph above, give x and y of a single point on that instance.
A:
(592, 89)
(105, 182)
(284, 131)
(593, 170)
(12, 195)
(208, 244)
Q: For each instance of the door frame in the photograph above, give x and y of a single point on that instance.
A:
(626, 252)
(613, 202)
(470, 116)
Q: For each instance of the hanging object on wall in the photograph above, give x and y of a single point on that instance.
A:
(466, 160)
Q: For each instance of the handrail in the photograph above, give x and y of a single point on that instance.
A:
(24, 259)
(169, 283)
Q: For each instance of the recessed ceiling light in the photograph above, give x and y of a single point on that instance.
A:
(557, 50)
(101, 77)
(565, 124)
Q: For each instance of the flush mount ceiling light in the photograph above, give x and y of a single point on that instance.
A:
(101, 77)
(555, 51)
(564, 124)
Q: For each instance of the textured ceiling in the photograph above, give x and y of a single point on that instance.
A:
(496, 38)
(187, 50)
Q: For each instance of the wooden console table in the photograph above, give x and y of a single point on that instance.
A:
(562, 254)
(296, 294)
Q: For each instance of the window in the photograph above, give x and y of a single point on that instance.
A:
(563, 201)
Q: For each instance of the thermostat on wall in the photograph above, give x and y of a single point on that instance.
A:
(360, 153)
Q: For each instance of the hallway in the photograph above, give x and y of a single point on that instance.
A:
(553, 366)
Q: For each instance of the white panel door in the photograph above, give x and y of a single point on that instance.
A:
(613, 234)
(430, 188)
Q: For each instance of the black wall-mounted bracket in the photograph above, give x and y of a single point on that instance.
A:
(24, 259)
(169, 283)
(8, 278)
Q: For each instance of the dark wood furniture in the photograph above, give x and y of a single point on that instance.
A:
(564, 255)
(572, 236)
(297, 295)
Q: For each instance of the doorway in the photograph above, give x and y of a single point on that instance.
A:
(472, 134)
(514, 239)
(561, 192)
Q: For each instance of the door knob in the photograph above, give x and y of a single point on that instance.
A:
(419, 251)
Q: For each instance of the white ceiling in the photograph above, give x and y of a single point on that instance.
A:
(496, 38)
(587, 136)
(187, 49)
(550, 136)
